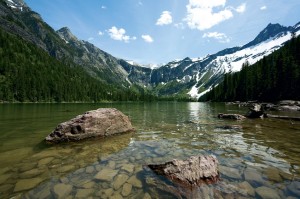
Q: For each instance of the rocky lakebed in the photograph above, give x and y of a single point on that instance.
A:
(251, 163)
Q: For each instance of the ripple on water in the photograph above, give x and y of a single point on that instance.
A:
(258, 159)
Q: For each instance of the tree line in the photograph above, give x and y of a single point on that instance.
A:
(29, 74)
(275, 77)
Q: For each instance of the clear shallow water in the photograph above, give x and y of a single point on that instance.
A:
(258, 158)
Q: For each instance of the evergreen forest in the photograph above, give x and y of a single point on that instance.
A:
(29, 74)
(275, 77)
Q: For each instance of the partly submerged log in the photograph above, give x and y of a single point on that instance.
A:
(102, 122)
(191, 172)
(231, 116)
(283, 117)
(258, 111)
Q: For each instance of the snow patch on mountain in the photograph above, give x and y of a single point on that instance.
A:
(233, 62)
(188, 67)
(16, 5)
(194, 92)
(297, 26)
(199, 58)
(256, 53)
(174, 65)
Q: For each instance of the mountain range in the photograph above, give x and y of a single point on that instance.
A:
(190, 77)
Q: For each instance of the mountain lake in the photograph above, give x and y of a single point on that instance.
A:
(258, 158)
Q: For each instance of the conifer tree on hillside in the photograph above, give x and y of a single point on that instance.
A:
(275, 77)
(29, 74)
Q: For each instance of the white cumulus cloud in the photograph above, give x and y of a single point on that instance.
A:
(201, 14)
(147, 38)
(241, 8)
(263, 7)
(90, 38)
(221, 37)
(119, 34)
(165, 18)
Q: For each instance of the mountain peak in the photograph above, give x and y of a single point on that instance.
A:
(271, 28)
(66, 34)
(187, 59)
(64, 29)
(268, 32)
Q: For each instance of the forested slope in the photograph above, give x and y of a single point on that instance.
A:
(28, 73)
(275, 77)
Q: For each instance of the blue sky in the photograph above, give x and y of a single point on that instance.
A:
(159, 31)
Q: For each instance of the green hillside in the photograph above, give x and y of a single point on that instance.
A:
(29, 74)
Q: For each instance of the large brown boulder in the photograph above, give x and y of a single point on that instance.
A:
(191, 172)
(102, 122)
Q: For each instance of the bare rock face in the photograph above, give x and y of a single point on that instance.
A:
(102, 122)
(191, 172)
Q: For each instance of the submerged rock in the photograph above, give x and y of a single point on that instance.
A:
(31, 173)
(230, 172)
(96, 123)
(147, 196)
(253, 177)
(62, 190)
(106, 174)
(247, 187)
(4, 178)
(273, 174)
(193, 171)
(126, 189)
(267, 193)
(294, 187)
(84, 193)
(128, 167)
(26, 184)
(119, 181)
(134, 181)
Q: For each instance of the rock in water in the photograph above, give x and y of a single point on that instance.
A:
(193, 171)
(256, 111)
(231, 116)
(96, 123)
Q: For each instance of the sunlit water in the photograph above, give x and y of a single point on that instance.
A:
(258, 158)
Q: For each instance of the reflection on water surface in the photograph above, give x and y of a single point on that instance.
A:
(258, 158)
